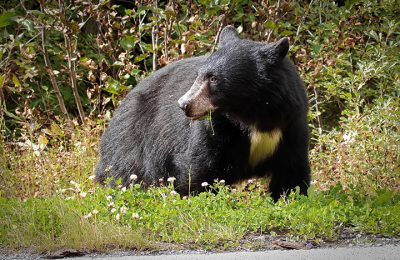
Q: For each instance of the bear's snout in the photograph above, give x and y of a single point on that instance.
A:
(182, 104)
(196, 102)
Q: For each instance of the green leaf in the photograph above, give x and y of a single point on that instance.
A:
(286, 33)
(34, 103)
(140, 57)
(1, 80)
(135, 72)
(118, 63)
(43, 140)
(9, 114)
(56, 130)
(270, 25)
(7, 18)
(28, 25)
(128, 42)
(113, 86)
(16, 81)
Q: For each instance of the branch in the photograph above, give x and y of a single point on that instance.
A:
(154, 40)
(50, 69)
(72, 67)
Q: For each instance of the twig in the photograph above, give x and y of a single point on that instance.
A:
(141, 19)
(154, 41)
(167, 33)
(278, 4)
(319, 12)
(302, 21)
(317, 110)
(72, 72)
(166, 37)
(221, 25)
(5, 75)
(72, 66)
(50, 69)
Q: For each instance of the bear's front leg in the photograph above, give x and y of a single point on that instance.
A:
(291, 166)
(197, 162)
(194, 170)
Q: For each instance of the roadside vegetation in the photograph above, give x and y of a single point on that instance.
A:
(64, 69)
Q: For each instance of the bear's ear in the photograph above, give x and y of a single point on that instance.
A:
(281, 48)
(275, 52)
(227, 35)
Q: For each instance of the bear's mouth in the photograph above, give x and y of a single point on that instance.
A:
(203, 116)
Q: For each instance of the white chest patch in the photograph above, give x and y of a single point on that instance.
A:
(263, 145)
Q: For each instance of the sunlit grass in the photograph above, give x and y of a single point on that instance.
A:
(50, 224)
(131, 218)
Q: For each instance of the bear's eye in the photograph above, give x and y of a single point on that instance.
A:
(213, 79)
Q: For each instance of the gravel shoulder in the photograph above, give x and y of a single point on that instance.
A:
(349, 245)
(354, 253)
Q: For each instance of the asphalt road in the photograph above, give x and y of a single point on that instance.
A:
(353, 253)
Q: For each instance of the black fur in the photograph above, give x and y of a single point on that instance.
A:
(255, 87)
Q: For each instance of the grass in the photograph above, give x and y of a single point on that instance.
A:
(102, 218)
(51, 224)
(43, 165)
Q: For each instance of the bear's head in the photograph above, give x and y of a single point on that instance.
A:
(238, 78)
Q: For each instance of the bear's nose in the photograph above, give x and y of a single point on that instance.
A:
(182, 104)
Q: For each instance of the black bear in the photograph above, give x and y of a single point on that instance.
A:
(256, 107)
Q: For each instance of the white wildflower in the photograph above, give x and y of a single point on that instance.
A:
(117, 217)
(349, 137)
(135, 215)
(171, 179)
(123, 210)
(133, 177)
(92, 177)
(83, 195)
(95, 212)
(35, 147)
(109, 197)
(222, 181)
(88, 215)
(123, 189)
(173, 193)
(204, 184)
(113, 210)
(75, 184)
